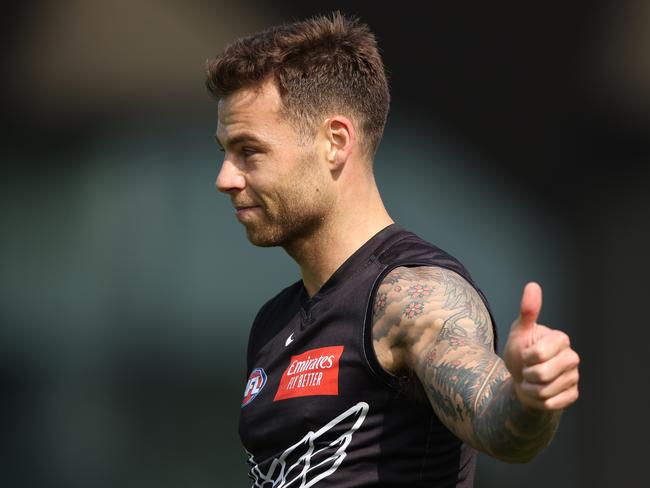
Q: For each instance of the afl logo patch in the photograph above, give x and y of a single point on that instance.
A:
(256, 382)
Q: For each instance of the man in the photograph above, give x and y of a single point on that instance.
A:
(378, 367)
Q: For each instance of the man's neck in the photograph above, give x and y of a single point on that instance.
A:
(325, 250)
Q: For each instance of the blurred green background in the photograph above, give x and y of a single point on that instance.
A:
(517, 141)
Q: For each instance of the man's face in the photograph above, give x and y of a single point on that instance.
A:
(277, 183)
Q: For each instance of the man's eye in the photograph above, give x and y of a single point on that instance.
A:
(249, 151)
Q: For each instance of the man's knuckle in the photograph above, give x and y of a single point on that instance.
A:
(549, 404)
(571, 360)
(567, 400)
(543, 373)
(573, 378)
(531, 374)
(565, 340)
(576, 358)
(539, 352)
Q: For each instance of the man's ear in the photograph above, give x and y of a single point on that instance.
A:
(341, 139)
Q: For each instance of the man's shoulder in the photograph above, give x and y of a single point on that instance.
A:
(413, 250)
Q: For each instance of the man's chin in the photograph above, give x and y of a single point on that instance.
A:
(274, 235)
(262, 239)
(263, 243)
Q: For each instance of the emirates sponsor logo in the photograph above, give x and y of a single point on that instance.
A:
(321, 362)
(314, 372)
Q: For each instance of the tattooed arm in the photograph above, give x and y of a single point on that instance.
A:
(431, 321)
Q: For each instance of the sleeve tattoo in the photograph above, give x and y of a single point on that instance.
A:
(430, 320)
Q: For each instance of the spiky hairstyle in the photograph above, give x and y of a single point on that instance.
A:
(322, 66)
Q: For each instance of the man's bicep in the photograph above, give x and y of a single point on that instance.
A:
(443, 329)
(414, 306)
(402, 315)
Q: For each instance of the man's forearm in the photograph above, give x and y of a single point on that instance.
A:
(509, 431)
(477, 401)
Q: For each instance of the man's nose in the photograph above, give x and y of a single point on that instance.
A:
(230, 178)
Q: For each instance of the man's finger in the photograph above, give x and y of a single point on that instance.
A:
(548, 344)
(549, 370)
(544, 391)
(529, 309)
(531, 304)
(562, 400)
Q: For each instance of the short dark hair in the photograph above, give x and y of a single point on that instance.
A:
(322, 65)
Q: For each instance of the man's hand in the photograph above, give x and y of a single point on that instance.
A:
(543, 366)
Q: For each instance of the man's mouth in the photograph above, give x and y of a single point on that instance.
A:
(242, 210)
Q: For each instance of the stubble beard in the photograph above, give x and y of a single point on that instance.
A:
(298, 212)
(291, 224)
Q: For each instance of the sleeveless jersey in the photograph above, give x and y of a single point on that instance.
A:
(319, 409)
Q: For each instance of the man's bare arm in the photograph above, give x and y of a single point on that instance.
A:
(431, 321)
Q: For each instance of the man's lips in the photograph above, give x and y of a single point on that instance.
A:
(241, 210)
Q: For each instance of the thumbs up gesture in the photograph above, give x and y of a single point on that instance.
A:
(543, 366)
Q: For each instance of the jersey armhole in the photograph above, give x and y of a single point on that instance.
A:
(392, 380)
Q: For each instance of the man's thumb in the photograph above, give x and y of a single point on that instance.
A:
(531, 305)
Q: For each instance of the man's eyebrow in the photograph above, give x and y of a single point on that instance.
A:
(240, 138)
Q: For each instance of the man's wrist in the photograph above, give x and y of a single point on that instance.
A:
(531, 419)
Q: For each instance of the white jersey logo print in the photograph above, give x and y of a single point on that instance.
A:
(302, 465)
(289, 340)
